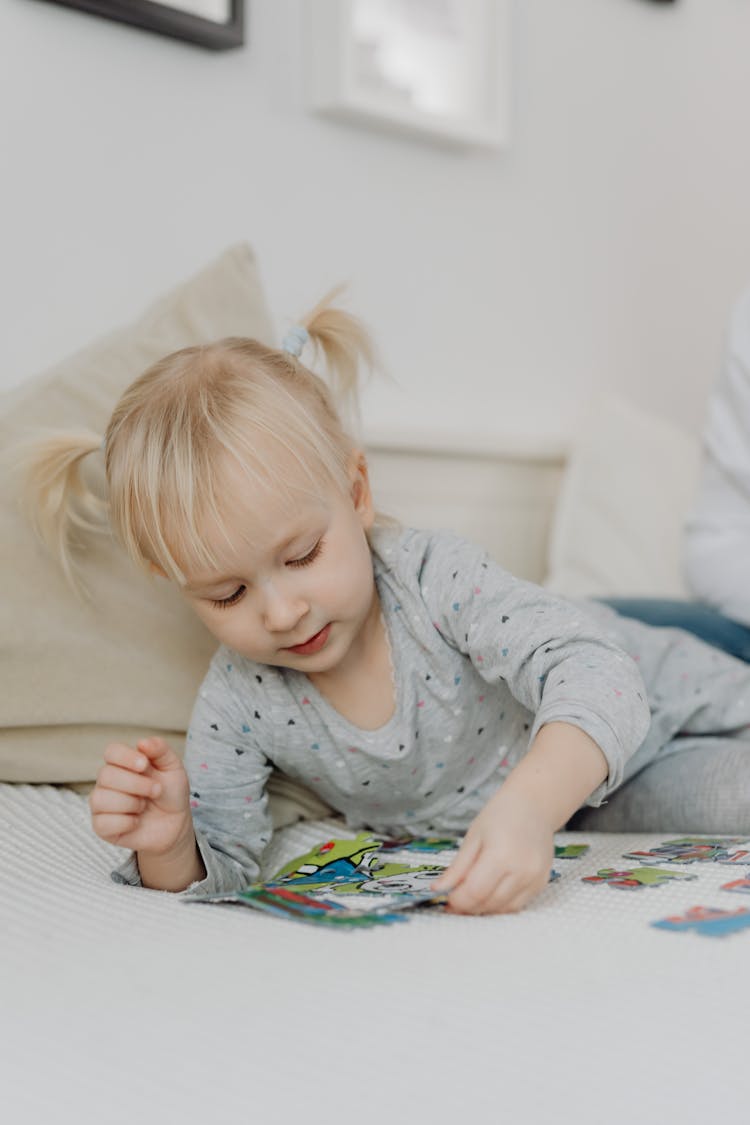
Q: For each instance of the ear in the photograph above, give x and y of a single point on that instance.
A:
(360, 491)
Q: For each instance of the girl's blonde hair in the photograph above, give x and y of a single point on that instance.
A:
(166, 434)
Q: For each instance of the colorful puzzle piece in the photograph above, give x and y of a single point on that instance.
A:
(354, 867)
(570, 851)
(634, 878)
(420, 843)
(695, 849)
(290, 904)
(334, 861)
(707, 921)
(315, 887)
(739, 886)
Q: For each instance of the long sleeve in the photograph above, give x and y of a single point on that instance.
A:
(228, 770)
(554, 658)
(717, 534)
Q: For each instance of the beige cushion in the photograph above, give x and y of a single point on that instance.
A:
(127, 662)
(629, 483)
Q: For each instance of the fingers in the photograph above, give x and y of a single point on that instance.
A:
(122, 792)
(159, 753)
(118, 754)
(488, 889)
(479, 887)
(112, 828)
(112, 801)
(462, 864)
(138, 792)
(127, 781)
(113, 814)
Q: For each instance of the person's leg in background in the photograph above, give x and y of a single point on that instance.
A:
(696, 617)
(697, 785)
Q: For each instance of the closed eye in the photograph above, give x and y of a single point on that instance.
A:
(310, 557)
(225, 603)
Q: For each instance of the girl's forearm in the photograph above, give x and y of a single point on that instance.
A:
(562, 768)
(173, 871)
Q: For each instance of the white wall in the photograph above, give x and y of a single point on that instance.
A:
(601, 249)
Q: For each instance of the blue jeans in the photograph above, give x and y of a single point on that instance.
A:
(699, 619)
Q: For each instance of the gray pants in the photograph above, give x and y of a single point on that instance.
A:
(696, 785)
(692, 772)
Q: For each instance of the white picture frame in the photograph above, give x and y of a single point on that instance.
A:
(438, 70)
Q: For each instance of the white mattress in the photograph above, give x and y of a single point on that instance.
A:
(129, 1006)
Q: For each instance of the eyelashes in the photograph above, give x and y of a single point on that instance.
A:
(310, 557)
(306, 560)
(225, 603)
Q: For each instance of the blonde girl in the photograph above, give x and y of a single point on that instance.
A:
(402, 675)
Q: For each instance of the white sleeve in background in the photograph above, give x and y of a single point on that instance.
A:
(717, 534)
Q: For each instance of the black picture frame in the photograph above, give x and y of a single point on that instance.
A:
(170, 19)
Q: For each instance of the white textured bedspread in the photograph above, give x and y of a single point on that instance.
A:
(128, 1006)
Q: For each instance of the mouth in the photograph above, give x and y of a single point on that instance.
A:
(312, 644)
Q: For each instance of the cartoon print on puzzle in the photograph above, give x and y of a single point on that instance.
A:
(345, 867)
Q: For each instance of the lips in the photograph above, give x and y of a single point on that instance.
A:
(312, 644)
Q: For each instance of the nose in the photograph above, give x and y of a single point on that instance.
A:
(281, 609)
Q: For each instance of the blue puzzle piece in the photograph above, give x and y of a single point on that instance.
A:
(707, 921)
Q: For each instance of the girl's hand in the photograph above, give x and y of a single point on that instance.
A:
(142, 798)
(504, 860)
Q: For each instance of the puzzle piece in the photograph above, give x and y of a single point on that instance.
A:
(634, 878)
(332, 861)
(740, 886)
(314, 887)
(707, 921)
(420, 843)
(303, 908)
(695, 849)
(388, 879)
(283, 902)
(570, 851)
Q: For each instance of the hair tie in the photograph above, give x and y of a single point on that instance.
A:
(295, 340)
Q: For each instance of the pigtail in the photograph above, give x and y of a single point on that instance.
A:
(57, 499)
(346, 347)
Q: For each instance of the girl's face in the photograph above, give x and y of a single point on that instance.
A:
(294, 585)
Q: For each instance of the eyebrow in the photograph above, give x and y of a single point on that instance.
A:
(280, 545)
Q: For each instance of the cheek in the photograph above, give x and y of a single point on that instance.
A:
(222, 625)
(236, 633)
(350, 582)
(214, 627)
